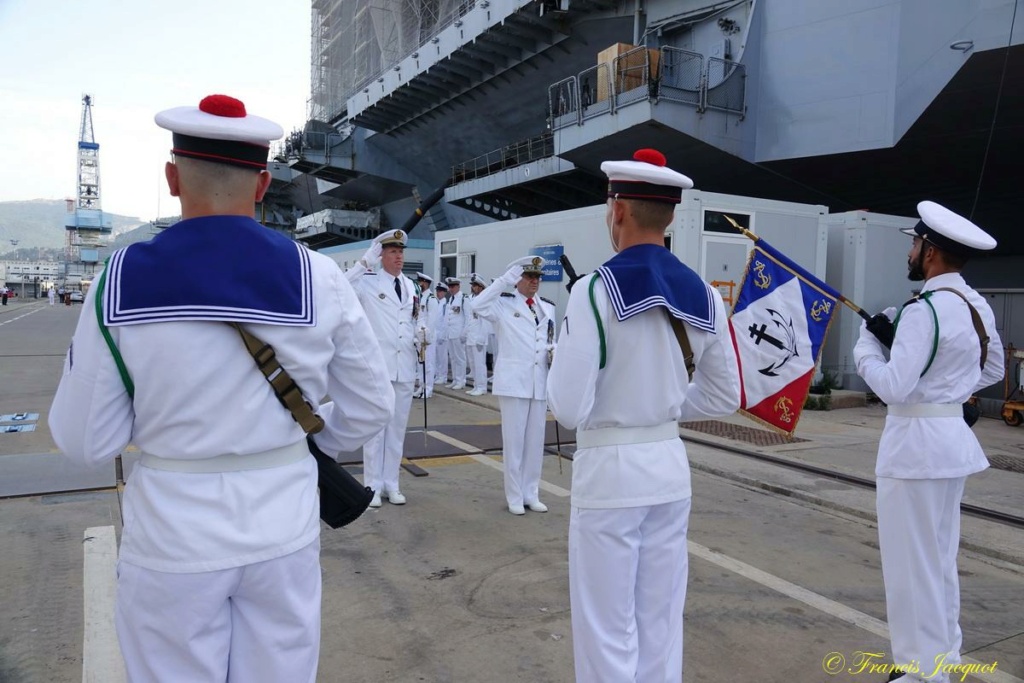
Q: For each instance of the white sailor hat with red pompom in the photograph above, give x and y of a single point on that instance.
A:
(645, 177)
(221, 131)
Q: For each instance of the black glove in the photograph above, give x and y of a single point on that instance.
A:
(882, 328)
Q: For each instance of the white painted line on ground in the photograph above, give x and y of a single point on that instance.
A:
(20, 316)
(823, 604)
(452, 441)
(490, 462)
(101, 654)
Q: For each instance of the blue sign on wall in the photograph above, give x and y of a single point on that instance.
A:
(552, 264)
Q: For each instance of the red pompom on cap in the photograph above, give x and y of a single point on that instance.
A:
(650, 156)
(223, 105)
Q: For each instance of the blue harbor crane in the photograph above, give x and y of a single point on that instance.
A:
(85, 223)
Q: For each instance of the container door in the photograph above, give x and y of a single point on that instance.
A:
(723, 261)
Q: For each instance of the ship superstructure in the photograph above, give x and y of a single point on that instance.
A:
(512, 105)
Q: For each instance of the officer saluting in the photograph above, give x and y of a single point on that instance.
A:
(620, 378)
(944, 349)
(524, 324)
(391, 303)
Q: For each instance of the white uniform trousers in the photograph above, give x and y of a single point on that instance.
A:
(478, 364)
(522, 445)
(457, 352)
(627, 586)
(430, 362)
(441, 361)
(382, 454)
(918, 537)
(258, 623)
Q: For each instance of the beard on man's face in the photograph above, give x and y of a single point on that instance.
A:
(915, 268)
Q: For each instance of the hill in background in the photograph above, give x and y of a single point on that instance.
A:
(38, 228)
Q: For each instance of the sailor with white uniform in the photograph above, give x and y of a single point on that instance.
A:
(455, 332)
(619, 378)
(478, 331)
(429, 310)
(525, 327)
(392, 305)
(438, 323)
(945, 347)
(219, 568)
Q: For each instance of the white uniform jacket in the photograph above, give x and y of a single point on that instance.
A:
(199, 394)
(931, 447)
(393, 321)
(521, 368)
(478, 330)
(429, 308)
(455, 316)
(643, 384)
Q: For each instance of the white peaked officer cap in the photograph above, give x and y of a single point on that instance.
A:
(475, 279)
(423, 276)
(221, 131)
(529, 264)
(453, 281)
(646, 177)
(441, 285)
(392, 238)
(949, 231)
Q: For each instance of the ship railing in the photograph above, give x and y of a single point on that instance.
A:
(564, 103)
(596, 88)
(525, 151)
(645, 74)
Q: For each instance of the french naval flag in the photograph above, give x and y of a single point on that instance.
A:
(778, 326)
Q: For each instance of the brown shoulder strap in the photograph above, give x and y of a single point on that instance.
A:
(979, 327)
(284, 387)
(684, 343)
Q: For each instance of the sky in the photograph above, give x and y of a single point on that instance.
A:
(135, 58)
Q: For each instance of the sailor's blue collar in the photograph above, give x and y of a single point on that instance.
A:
(223, 268)
(647, 276)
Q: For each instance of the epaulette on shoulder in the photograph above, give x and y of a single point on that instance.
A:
(369, 272)
(507, 294)
(544, 298)
(912, 300)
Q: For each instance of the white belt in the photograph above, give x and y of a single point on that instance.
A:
(231, 462)
(622, 436)
(927, 410)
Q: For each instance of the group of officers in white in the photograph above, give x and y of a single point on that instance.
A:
(219, 576)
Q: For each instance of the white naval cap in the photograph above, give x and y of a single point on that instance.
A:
(452, 281)
(530, 264)
(646, 177)
(475, 279)
(220, 130)
(423, 276)
(392, 238)
(949, 231)
(441, 285)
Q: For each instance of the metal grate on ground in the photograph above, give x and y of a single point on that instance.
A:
(752, 435)
(1008, 463)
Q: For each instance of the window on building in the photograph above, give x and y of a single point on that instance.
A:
(714, 221)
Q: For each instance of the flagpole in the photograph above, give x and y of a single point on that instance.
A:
(746, 233)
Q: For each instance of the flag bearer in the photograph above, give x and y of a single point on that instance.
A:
(944, 348)
(619, 378)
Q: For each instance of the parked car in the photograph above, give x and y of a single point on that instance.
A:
(77, 297)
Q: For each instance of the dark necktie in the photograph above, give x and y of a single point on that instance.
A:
(398, 289)
(529, 302)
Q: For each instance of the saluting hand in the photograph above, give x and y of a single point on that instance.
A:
(371, 259)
